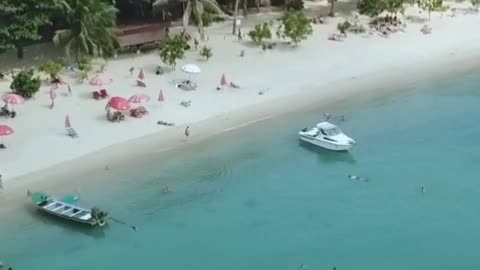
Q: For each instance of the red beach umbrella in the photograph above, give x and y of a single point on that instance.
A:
(5, 131)
(13, 99)
(161, 98)
(67, 122)
(141, 76)
(119, 104)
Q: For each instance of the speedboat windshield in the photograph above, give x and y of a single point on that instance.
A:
(332, 131)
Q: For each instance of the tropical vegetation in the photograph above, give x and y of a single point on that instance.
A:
(172, 48)
(260, 33)
(21, 21)
(296, 26)
(206, 52)
(25, 83)
(90, 29)
(51, 68)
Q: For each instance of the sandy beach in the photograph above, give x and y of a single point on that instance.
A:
(317, 72)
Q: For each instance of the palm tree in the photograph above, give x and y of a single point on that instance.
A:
(197, 7)
(332, 8)
(90, 30)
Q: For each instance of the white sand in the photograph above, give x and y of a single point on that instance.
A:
(318, 70)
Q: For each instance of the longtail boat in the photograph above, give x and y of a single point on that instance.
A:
(66, 209)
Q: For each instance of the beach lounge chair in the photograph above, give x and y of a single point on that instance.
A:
(187, 85)
(103, 93)
(186, 103)
(163, 123)
(72, 133)
(336, 37)
(141, 83)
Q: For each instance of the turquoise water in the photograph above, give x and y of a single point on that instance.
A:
(256, 198)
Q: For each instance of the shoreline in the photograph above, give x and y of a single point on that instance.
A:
(306, 84)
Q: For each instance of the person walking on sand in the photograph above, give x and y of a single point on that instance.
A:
(69, 89)
(1, 183)
(187, 132)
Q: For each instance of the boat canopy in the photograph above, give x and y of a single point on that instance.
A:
(326, 125)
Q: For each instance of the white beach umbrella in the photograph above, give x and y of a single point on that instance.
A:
(191, 69)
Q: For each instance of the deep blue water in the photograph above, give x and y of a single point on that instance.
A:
(256, 198)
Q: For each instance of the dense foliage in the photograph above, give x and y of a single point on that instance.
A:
(343, 27)
(172, 49)
(206, 52)
(21, 21)
(51, 67)
(295, 5)
(26, 84)
(90, 28)
(260, 33)
(296, 26)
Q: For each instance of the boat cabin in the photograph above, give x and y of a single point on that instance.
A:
(327, 129)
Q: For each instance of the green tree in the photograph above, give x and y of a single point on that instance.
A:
(475, 3)
(90, 29)
(296, 26)
(371, 8)
(52, 68)
(206, 52)
(26, 84)
(260, 33)
(172, 48)
(21, 20)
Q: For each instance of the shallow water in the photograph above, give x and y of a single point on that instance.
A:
(256, 198)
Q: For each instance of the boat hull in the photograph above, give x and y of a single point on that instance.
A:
(76, 220)
(324, 144)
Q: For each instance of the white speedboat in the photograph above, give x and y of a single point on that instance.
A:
(328, 136)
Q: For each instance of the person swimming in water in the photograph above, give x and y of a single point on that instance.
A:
(422, 189)
(166, 189)
(359, 178)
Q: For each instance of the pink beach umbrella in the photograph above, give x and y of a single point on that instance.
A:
(67, 122)
(141, 76)
(5, 131)
(161, 98)
(13, 99)
(139, 98)
(119, 104)
(101, 80)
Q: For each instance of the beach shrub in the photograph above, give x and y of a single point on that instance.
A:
(172, 49)
(26, 84)
(295, 5)
(51, 68)
(296, 26)
(85, 64)
(344, 27)
(206, 52)
(260, 33)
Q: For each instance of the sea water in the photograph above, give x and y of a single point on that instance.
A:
(256, 198)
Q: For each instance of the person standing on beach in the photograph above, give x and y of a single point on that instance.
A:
(187, 132)
(69, 89)
(1, 184)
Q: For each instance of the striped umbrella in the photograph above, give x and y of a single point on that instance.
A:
(141, 76)
(13, 99)
(161, 98)
(223, 81)
(67, 122)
